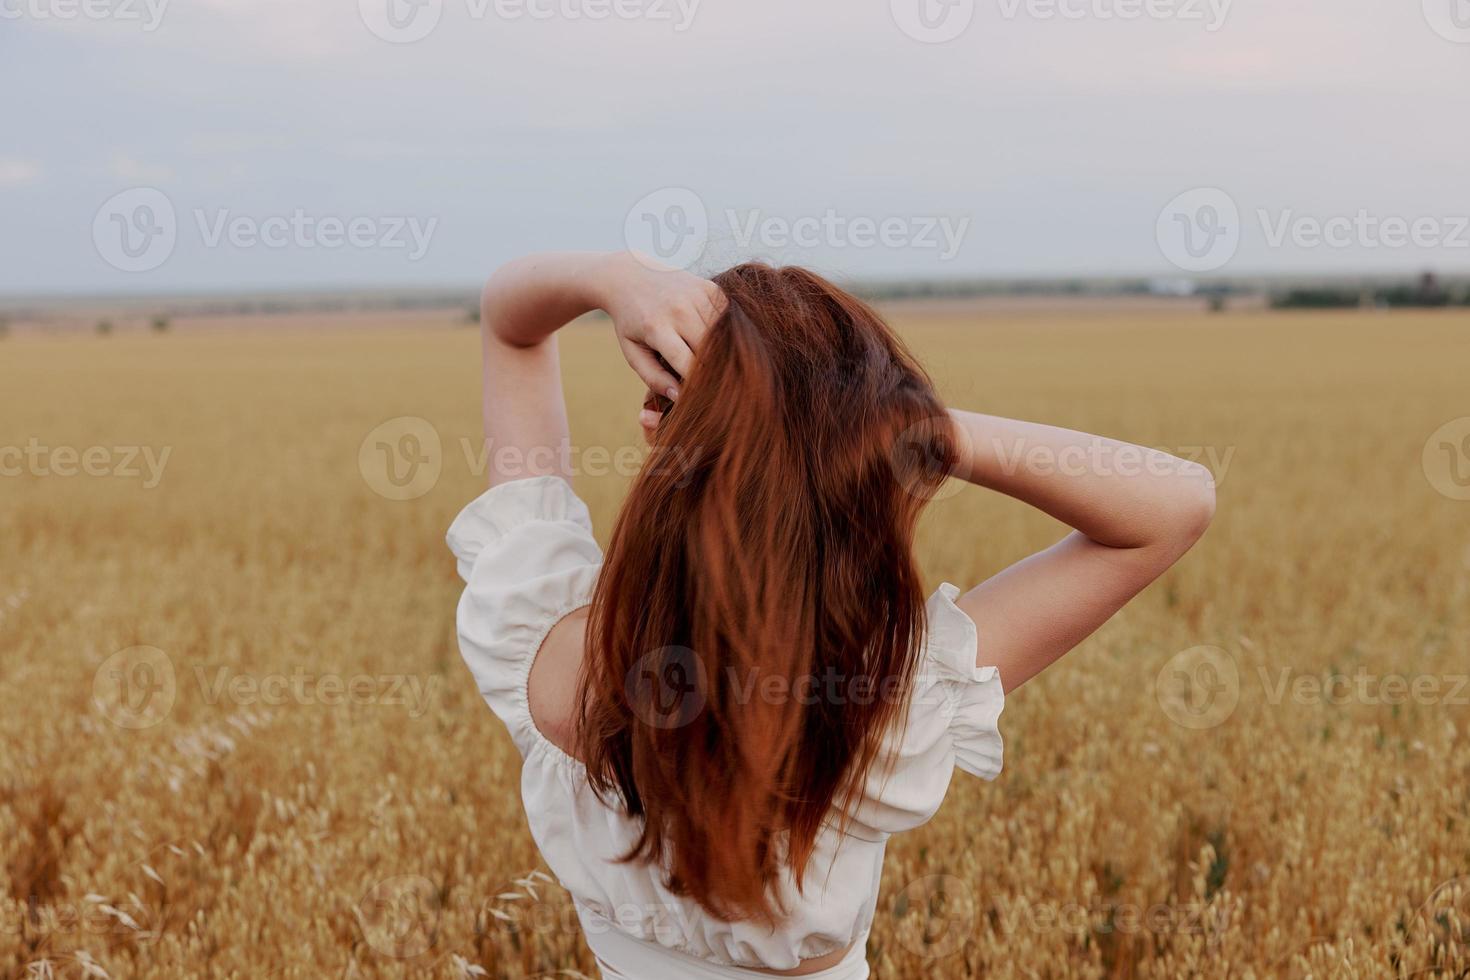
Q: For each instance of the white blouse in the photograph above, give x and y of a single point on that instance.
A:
(526, 552)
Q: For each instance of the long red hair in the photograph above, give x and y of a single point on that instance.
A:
(759, 616)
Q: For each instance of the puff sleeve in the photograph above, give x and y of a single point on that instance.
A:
(953, 722)
(526, 553)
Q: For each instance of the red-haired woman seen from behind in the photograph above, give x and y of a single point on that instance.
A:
(724, 717)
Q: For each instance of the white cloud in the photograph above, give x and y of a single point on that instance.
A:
(129, 169)
(14, 173)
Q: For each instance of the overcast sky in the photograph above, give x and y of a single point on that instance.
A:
(158, 145)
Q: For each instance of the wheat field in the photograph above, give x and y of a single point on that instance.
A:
(238, 740)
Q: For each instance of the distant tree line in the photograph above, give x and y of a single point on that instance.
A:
(1427, 293)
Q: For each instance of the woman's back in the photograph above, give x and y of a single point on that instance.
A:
(530, 563)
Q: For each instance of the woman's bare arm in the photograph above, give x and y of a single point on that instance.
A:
(1136, 511)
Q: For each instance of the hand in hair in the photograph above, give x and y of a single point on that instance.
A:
(661, 315)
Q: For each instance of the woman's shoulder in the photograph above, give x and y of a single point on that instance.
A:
(551, 688)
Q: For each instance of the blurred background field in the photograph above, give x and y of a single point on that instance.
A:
(210, 807)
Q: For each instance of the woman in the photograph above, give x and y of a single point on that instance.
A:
(724, 718)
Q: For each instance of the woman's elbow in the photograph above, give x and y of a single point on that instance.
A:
(1194, 502)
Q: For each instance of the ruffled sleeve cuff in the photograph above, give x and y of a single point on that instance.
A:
(974, 694)
(504, 508)
(951, 722)
(526, 552)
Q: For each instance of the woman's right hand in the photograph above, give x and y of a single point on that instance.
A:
(660, 315)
